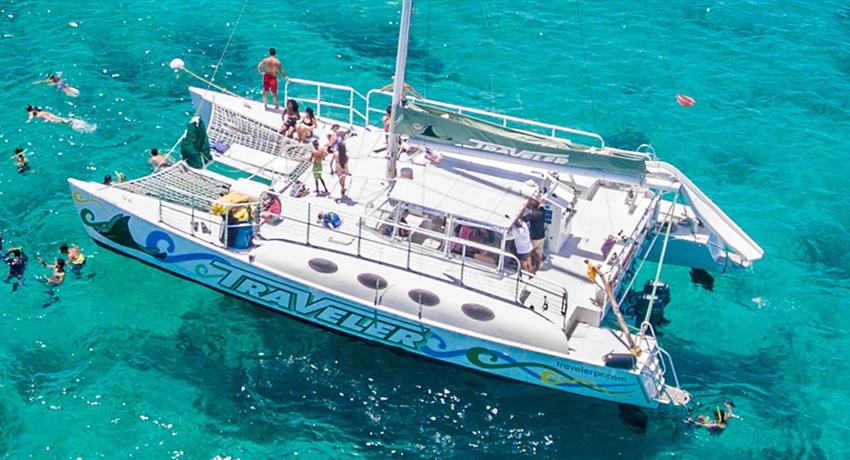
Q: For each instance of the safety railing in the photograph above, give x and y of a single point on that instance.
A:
(319, 88)
(620, 261)
(365, 239)
(507, 121)
(194, 219)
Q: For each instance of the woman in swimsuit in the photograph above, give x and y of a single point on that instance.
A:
(341, 164)
(307, 125)
(35, 112)
(290, 118)
(56, 80)
(58, 275)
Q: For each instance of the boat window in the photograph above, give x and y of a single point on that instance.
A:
(323, 265)
(423, 297)
(477, 311)
(372, 281)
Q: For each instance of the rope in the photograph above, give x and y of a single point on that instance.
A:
(669, 222)
(227, 45)
(211, 80)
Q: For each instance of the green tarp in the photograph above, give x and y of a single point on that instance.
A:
(439, 126)
(195, 148)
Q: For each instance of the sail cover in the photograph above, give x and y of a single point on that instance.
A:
(429, 124)
(195, 148)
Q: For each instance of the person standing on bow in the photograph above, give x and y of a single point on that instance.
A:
(269, 67)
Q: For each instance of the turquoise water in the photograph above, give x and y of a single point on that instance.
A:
(131, 362)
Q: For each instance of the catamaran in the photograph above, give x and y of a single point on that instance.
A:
(418, 252)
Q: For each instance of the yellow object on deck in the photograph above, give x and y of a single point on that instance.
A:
(220, 206)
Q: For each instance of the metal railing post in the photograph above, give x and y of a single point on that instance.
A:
(308, 223)
(409, 244)
(359, 234)
(351, 107)
(462, 263)
(318, 101)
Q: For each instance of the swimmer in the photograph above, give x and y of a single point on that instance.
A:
(56, 80)
(58, 275)
(35, 112)
(75, 258)
(17, 261)
(21, 161)
(156, 160)
(721, 418)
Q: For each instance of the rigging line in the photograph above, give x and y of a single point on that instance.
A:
(586, 72)
(227, 44)
(210, 81)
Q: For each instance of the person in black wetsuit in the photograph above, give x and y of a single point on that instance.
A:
(17, 262)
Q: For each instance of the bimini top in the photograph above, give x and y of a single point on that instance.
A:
(432, 125)
(464, 196)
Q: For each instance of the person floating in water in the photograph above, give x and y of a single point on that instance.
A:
(156, 160)
(35, 112)
(718, 423)
(58, 275)
(21, 160)
(17, 262)
(75, 258)
(56, 80)
(269, 67)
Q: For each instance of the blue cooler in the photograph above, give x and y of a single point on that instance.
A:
(240, 236)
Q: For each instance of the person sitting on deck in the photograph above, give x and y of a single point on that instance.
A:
(309, 122)
(329, 219)
(290, 118)
(721, 418)
(271, 209)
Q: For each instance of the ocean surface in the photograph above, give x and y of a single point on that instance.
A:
(131, 362)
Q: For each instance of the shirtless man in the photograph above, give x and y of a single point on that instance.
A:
(318, 156)
(156, 160)
(269, 67)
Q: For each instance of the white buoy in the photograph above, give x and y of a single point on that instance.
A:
(73, 24)
(177, 64)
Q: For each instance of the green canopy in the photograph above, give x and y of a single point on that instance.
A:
(430, 124)
(195, 147)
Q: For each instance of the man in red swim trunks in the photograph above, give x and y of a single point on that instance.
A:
(269, 67)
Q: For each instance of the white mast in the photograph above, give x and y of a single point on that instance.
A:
(398, 85)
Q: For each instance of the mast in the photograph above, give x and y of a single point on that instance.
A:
(398, 85)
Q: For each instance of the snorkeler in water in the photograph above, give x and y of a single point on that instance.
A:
(75, 258)
(35, 112)
(718, 423)
(58, 267)
(17, 262)
(56, 80)
(21, 161)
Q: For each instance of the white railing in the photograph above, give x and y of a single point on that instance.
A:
(357, 101)
(414, 257)
(355, 98)
(507, 121)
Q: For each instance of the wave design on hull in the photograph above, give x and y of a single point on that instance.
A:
(487, 359)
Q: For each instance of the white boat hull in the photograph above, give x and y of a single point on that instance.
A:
(120, 230)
